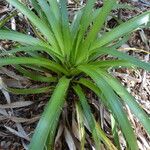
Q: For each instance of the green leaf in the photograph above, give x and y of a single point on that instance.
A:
(98, 23)
(54, 23)
(65, 27)
(121, 30)
(51, 137)
(39, 10)
(112, 64)
(40, 24)
(112, 101)
(76, 23)
(115, 132)
(30, 91)
(7, 18)
(32, 49)
(126, 57)
(20, 37)
(128, 98)
(33, 61)
(81, 130)
(84, 23)
(55, 8)
(95, 129)
(34, 76)
(50, 115)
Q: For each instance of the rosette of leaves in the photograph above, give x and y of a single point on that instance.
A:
(71, 52)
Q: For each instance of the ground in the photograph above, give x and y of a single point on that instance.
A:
(19, 114)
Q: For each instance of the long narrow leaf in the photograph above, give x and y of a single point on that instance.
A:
(80, 120)
(50, 115)
(65, 27)
(122, 29)
(124, 56)
(95, 129)
(33, 61)
(53, 21)
(84, 23)
(98, 22)
(128, 98)
(115, 132)
(29, 91)
(44, 28)
(20, 37)
(34, 76)
(112, 64)
(27, 49)
(39, 10)
(55, 7)
(114, 103)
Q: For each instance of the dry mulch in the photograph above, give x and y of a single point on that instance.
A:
(19, 114)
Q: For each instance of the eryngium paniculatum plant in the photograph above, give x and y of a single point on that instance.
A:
(71, 53)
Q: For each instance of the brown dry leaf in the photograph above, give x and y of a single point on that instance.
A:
(3, 9)
(16, 104)
(11, 74)
(2, 134)
(20, 120)
(3, 112)
(58, 144)
(69, 139)
(75, 129)
(24, 120)
(19, 134)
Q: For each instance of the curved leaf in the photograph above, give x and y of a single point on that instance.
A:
(20, 37)
(121, 30)
(114, 104)
(33, 61)
(44, 28)
(128, 98)
(124, 56)
(32, 49)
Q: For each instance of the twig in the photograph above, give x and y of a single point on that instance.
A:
(146, 58)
